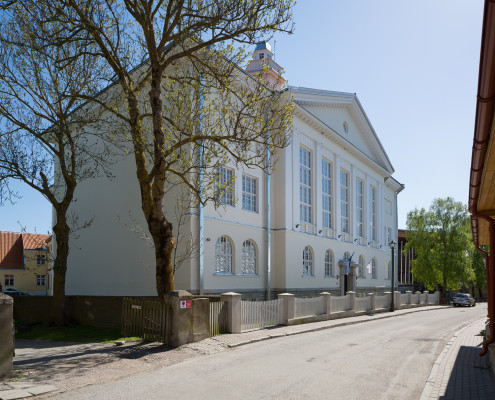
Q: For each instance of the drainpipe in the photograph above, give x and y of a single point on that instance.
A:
(490, 269)
(201, 207)
(268, 221)
(488, 274)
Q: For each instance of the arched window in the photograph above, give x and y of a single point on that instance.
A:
(389, 270)
(223, 255)
(347, 255)
(307, 261)
(373, 269)
(329, 263)
(361, 267)
(248, 257)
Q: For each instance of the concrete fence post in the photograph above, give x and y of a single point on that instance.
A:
(372, 302)
(397, 300)
(389, 295)
(288, 307)
(352, 300)
(409, 293)
(6, 335)
(189, 318)
(327, 299)
(233, 311)
(437, 297)
(426, 297)
(418, 293)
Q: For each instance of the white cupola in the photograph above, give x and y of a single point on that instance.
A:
(263, 63)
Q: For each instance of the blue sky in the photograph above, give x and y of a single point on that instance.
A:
(414, 66)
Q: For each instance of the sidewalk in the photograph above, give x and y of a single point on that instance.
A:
(459, 372)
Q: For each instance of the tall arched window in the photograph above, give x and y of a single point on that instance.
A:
(248, 257)
(329, 263)
(373, 269)
(347, 255)
(223, 255)
(307, 261)
(361, 266)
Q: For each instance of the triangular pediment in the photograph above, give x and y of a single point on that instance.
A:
(344, 117)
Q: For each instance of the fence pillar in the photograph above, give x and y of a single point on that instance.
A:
(288, 307)
(426, 297)
(6, 335)
(233, 311)
(187, 325)
(327, 299)
(389, 295)
(418, 293)
(397, 300)
(409, 293)
(352, 300)
(372, 302)
(437, 297)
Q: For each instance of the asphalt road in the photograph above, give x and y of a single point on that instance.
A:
(383, 359)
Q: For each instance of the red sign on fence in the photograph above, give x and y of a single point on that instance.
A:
(136, 307)
(185, 304)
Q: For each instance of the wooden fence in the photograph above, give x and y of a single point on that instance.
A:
(145, 318)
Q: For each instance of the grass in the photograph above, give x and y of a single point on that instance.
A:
(72, 333)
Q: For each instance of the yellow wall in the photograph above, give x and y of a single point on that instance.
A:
(25, 279)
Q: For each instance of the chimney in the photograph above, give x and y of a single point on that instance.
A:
(263, 63)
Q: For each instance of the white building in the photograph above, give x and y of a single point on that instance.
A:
(331, 196)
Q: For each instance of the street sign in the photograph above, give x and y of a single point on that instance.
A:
(185, 304)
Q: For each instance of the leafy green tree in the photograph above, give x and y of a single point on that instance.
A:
(479, 271)
(183, 105)
(442, 243)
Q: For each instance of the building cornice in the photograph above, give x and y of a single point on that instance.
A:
(335, 137)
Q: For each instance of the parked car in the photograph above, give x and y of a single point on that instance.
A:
(463, 299)
(13, 292)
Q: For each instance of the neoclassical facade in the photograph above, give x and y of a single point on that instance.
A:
(322, 221)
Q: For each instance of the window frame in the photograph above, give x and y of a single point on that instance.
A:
(225, 186)
(253, 257)
(41, 259)
(329, 261)
(308, 269)
(373, 214)
(10, 278)
(374, 274)
(362, 266)
(305, 186)
(327, 193)
(359, 208)
(40, 280)
(249, 197)
(345, 201)
(226, 257)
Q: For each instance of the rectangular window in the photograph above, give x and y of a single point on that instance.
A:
(225, 186)
(359, 207)
(344, 200)
(40, 280)
(40, 259)
(249, 193)
(9, 280)
(388, 235)
(327, 193)
(373, 212)
(305, 184)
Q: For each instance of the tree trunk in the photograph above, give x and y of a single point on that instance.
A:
(61, 232)
(444, 288)
(164, 241)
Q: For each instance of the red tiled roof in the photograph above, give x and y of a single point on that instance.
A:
(11, 252)
(12, 245)
(33, 241)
